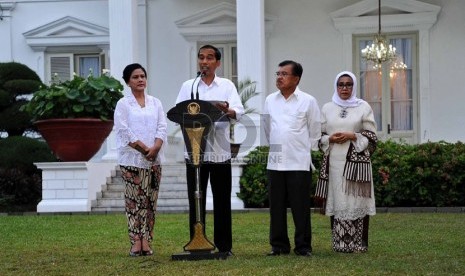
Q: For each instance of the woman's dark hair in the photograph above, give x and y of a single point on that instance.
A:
(217, 52)
(129, 69)
(296, 67)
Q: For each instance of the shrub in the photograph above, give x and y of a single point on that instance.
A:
(21, 122)
(20, 180)
(21, 87)
(22, 152)
(428, 174)
(16, 80)
(19, 191)
(254, 183)
(392, 176)
(16, 71)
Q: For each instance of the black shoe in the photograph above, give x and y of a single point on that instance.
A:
(304, 253)
(147, 252)
(228, 253)
(134, 254)
(277, 252)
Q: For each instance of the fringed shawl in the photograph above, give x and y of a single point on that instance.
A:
(321, 191)
(357, 171)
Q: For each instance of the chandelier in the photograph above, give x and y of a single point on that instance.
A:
(379, 51)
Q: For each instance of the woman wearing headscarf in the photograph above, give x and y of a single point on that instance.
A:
(345, 184)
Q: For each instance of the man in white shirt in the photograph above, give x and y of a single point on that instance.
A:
(292, 127)
(216, 163)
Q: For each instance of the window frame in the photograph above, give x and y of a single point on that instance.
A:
(74, 64)
(385, 131)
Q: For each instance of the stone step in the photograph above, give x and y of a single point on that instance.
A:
(110, 202)
(165, 178)
(172, 196)
(162, 203)
(169, 186)
(98, 209)
(168, 169)
(117, 180)
(112, 194)
(164, 209)
(173, 187)
(114, 187)
(173, 208)
(162, 194)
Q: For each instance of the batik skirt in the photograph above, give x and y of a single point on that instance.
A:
(141, 194)
(349, 236)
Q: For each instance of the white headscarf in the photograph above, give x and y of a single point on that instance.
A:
(353, 101)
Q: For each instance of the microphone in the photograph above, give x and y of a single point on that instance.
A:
(192, 88)
(202, 74)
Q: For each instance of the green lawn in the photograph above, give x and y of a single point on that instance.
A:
(400, 244)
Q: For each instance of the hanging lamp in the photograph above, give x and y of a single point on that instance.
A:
(379, 51)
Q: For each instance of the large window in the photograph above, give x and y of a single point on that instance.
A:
(391, 88)
(61, 67)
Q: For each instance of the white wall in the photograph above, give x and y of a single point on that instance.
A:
(169, 53)
(303, 31)
(447, 73)
(28, 15)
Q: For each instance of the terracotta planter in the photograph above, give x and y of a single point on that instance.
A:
(74, 139)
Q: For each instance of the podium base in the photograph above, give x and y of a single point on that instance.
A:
(199, 255)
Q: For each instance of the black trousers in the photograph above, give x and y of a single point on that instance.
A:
(220, 181)
(290, 188)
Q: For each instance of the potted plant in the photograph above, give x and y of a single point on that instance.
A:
(247, 90)
(75, 116)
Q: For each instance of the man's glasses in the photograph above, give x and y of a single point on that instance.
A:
(341, 85)
(282, 74)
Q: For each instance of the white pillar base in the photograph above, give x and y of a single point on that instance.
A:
(71, 186)
(63, 205)
(236, 203)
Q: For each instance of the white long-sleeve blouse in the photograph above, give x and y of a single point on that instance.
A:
(133, 122)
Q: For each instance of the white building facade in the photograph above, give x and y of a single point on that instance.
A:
(418, 104)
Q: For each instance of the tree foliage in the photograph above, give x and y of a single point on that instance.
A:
(16, 81)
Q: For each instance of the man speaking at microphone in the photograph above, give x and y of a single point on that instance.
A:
(216, 164)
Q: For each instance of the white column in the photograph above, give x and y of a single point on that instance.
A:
(124, 40)
(347, 50)
(251, 45)
(6, 54)
(251, 64)
(424, 89)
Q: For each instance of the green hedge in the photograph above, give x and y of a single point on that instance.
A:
(16, 79)
(253, 182)
(20, 179)
(429, 174)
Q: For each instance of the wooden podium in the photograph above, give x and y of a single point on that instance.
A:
(195, 118)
